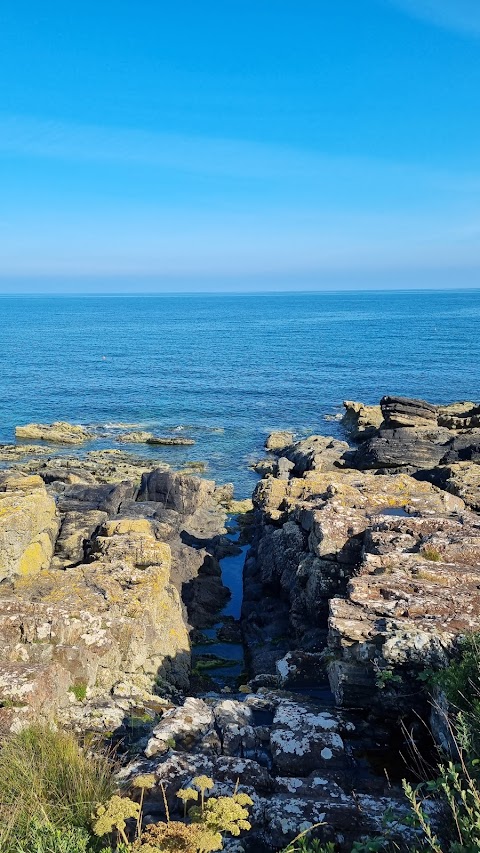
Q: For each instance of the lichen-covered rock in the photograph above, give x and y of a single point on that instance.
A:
(304, 739)
(59, 432)
(181, 727)
(278, 440)
(28, 526)
(361, 421)
(96, 467)
(460, 478)
(309, 542)
(116, 619)
(316, 453)
(459, 416)
(416, 592)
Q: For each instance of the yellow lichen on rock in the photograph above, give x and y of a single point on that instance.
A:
(28, 526)
(117, 618)
(59, 432)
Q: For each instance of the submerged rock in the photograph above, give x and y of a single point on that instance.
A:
(170, 442)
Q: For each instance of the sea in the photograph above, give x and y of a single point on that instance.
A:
(226, 369)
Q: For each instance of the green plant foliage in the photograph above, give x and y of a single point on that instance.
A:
(45, 838)
(47, 778)
(114, 815)
(461, 679)
(430, 553)
(310, 845)
(79, 690)
(386, 678)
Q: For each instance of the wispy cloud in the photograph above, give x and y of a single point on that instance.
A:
(303, 210)
(220, 157)
(459, 15)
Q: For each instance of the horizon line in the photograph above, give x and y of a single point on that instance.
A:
(187, 293)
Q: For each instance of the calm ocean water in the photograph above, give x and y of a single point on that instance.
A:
(228, 369)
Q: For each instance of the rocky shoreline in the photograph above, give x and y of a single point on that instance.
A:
(363, 572)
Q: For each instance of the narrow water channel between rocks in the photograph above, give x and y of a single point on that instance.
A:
(221, 656)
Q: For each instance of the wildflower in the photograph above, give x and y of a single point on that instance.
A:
(177, 837)
(186, 794)
(114, 814)
(145, 781)
(223, 814)
(203, 783)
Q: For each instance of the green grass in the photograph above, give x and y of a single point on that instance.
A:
(47, 779)
(79, 690)
(431, 554)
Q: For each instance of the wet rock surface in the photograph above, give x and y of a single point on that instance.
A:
(59, 432)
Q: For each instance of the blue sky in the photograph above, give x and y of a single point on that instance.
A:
(239, 144)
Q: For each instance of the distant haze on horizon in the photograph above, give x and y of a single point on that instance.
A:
(326, 144)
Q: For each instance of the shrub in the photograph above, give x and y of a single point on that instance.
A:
(47, 779)
(430, 553)
(44, 838)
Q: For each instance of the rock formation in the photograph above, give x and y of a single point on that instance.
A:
(364, 570)
(59, 432)
(91, 604)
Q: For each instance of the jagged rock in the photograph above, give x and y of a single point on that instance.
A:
(417, 590)
(459, 416)
(28, 526)
(59, 432)
(460, 478)
(308, 545)
(175, 491)
(105, 498)
(264, 467)
(277, 441)
(181, 727)
(397, 448)
(360, 421)
(13, 452)
(399, 412)
(97, 466)
(316, 453)
(76, 532)
(117, 619)
(463, 448)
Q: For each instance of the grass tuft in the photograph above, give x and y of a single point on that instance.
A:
(47, 778)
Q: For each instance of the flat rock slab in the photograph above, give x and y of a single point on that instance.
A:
(59, 432)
